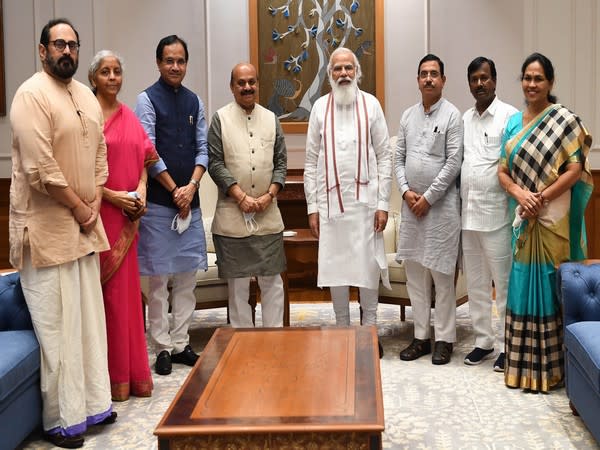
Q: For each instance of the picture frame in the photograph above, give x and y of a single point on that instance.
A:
(290, 45)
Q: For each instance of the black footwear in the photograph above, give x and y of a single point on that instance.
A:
(416, 349)
(441, 352)
(499, 364)
(163, 364)
(477, 356)
(59, 440)
(187, 357)
(111, 418)
(380, 349)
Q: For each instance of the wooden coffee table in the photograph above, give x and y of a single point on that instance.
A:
(270, 388)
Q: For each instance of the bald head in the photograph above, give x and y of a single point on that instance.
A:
(244, 85)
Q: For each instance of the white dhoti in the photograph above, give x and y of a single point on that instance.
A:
(67, 311)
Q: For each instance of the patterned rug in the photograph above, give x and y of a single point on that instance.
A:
(454, 406)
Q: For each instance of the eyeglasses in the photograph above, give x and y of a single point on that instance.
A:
(61, 44)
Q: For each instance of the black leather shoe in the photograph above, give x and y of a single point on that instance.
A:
(416, 349)
(111, 418)
(163, 364)
(380, 349)
(59, 440)
(441, 352)
(187, 357)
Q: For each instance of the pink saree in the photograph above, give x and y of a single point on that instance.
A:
(128, 151)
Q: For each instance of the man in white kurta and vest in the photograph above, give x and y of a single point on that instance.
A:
(486, 230)
(427, 164)
(347, 183)
(248, 163)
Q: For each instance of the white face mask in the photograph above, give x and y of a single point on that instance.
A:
(179, 224)
(251, 224)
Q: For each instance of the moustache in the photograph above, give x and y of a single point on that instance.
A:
(340, 80)
(247, 91)
(66, 58)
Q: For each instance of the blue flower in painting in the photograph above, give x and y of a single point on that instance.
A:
(286, 12)
(340, 23)
(335, 43)
(354, 6)
(297, 69)
(287, 64)
(275, 35)
(313, 31)
(304, 56)
(328, 30)
(272, 11)
(358, 32)
(290, 28)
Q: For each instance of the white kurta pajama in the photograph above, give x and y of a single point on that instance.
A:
(428, 158)
(350, 252)
(486, 230)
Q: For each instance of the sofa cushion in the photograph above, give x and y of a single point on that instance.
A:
(14, 314)
(207, 223)
(396, 269)
(20, 361)
(581, 340)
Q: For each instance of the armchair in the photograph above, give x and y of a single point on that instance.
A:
(579, 293)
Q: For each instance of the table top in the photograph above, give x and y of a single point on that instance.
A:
(274, 380)
(303, 235)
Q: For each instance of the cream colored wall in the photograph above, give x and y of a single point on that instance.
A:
(217, 34)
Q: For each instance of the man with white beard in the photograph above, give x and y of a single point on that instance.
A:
(347, 183)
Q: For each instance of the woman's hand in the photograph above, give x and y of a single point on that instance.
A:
(530, 202)
(122, 200)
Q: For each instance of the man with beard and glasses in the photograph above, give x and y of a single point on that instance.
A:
(347, 183)
(485, 218)
(248, 162)
(58, 171)
(427, 164)
(172, 246)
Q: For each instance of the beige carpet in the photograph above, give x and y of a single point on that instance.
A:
(426, 407)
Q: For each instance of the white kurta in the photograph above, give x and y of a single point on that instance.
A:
(428, 158)
(349, 249)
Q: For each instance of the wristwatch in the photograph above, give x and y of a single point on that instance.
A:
(195, 183)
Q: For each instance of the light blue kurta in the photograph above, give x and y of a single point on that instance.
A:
(163, 251)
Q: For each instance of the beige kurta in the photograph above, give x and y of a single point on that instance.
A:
(57, 139)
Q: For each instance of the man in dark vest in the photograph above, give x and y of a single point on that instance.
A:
(172, 247)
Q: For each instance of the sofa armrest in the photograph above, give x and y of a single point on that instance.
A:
(14, 314)
(578, 287)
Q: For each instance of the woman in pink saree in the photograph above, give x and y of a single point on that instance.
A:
(129, 152)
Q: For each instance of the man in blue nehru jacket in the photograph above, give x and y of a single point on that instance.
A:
(172, 244)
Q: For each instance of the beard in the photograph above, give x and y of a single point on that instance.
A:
(344, 94)
(63, 67)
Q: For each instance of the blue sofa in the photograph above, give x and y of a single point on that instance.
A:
(20, 398)
(579, 291)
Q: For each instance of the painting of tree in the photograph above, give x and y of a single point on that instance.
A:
(291, 41)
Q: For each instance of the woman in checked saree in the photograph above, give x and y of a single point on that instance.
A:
(545, 170)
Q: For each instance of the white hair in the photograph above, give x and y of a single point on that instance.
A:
(339, 50)
(97, 60)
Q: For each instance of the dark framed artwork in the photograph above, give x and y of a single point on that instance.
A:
(290, 45)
